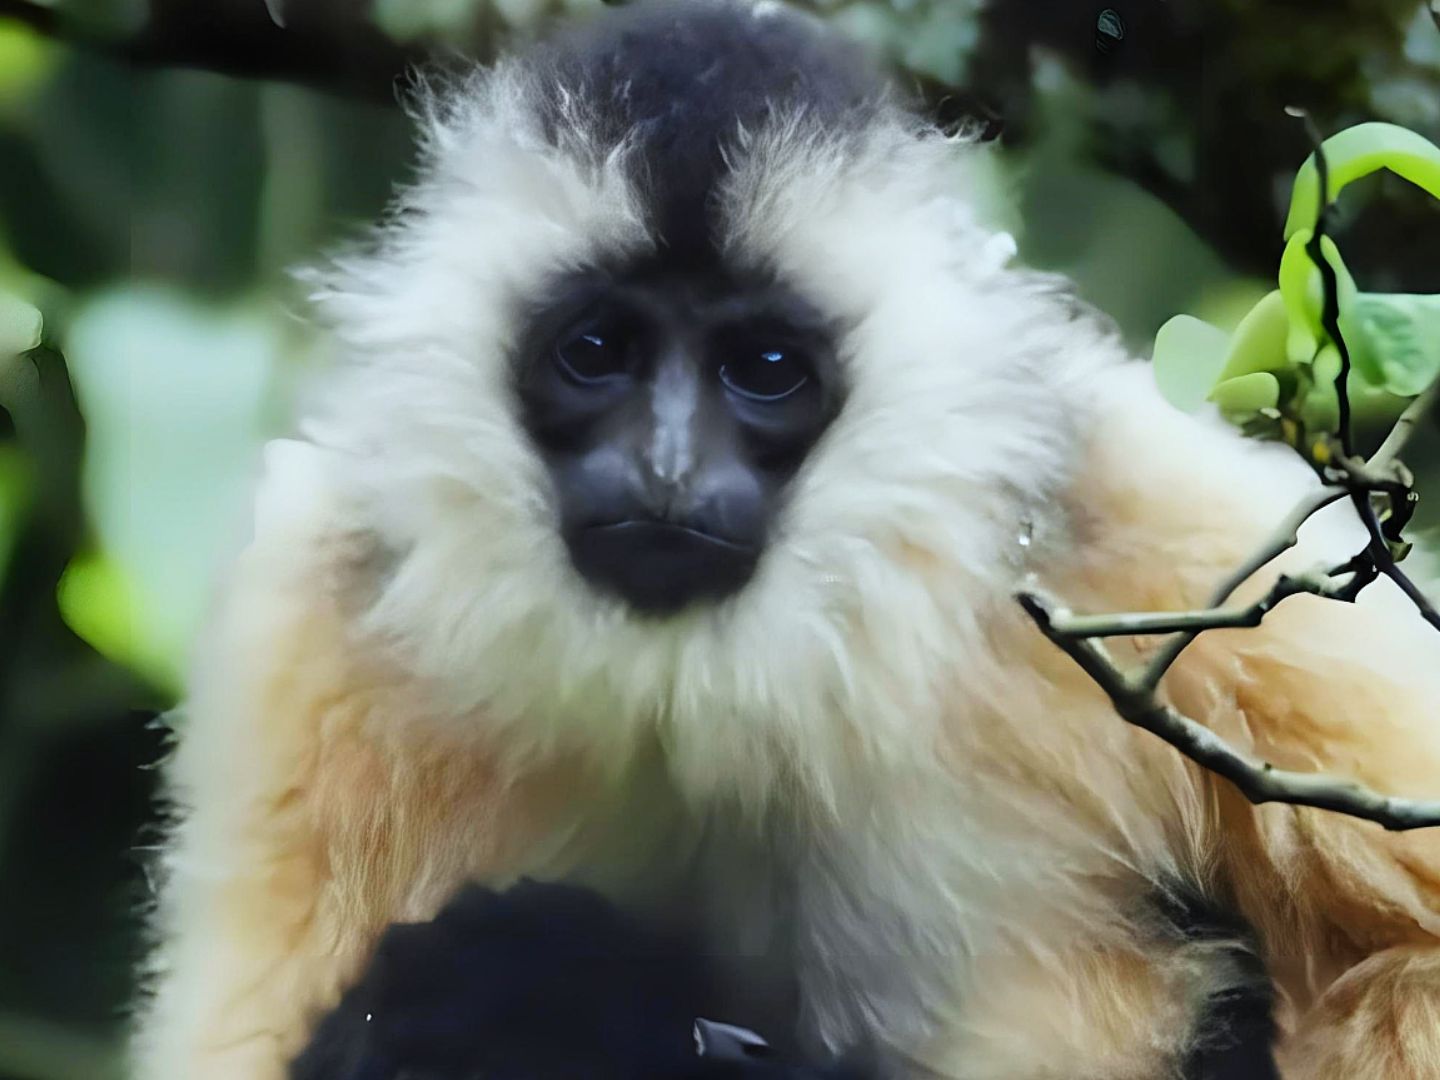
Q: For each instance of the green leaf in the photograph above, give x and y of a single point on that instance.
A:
(1258, 343)
(1189, 355)
(1241, 398)
(1320, 407)
(1359, 151)
(101, 603)
(20, 326)
(1398, 337)
(26, 59)
(15, 485)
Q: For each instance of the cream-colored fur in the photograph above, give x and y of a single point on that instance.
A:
(408, 687)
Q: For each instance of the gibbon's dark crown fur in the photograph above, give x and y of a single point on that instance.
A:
(679, 79)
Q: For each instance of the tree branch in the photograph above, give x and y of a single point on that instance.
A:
(1129, 624)
(1384, 561)
(1382, 483)
(1285, 537)
(1404, 428)
(1258, 780)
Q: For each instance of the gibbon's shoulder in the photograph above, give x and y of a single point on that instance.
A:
(296, 492)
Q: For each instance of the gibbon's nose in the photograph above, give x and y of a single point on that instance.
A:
(692, 525)
(673, 439)
(673, 512)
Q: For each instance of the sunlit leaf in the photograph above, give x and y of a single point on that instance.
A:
(101, 604)
(25, 60)
(1359, 151)
(1241, 398)
(174, 394)
(1189, 354)
(1303, 289)
(1258, 343)
(20, 326)
(1398, 336)
(14, 495)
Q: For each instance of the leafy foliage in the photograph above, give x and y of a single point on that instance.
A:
(20, 325)
(1282, 363)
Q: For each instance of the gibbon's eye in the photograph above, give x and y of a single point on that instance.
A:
(766, 373)
(595, 353)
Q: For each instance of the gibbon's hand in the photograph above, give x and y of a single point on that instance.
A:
(541, 982)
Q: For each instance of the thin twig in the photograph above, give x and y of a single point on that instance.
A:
(1258, 780)
(1383, 481)
(1285, 537)
(1404, 428)
(1379, 553)
(1422, 603)
(1130, 624)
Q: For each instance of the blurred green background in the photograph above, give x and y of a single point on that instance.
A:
(162, 164)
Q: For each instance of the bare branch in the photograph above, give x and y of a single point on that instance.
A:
(1417, 597)
(1285, 537)
(1404, 428)
(1258, 780)
(1128, 624)
(1379, 553)
(1382, 493)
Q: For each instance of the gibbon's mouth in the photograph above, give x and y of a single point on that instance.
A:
(639, 526)
(659, 567)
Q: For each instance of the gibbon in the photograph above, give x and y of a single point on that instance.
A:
(656, 532)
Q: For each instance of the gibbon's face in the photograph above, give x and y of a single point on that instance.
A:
(684, 384)
(671, 409)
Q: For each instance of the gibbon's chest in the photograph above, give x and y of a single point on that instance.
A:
(835, 932)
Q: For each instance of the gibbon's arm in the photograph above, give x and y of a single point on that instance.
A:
(1348, 914)
(311, 810)
(1353, 691)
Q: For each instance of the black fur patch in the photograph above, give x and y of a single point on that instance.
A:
(1235, 1036)
(679, 78)
(541, 982)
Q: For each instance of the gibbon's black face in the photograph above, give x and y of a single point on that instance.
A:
(671, 409)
